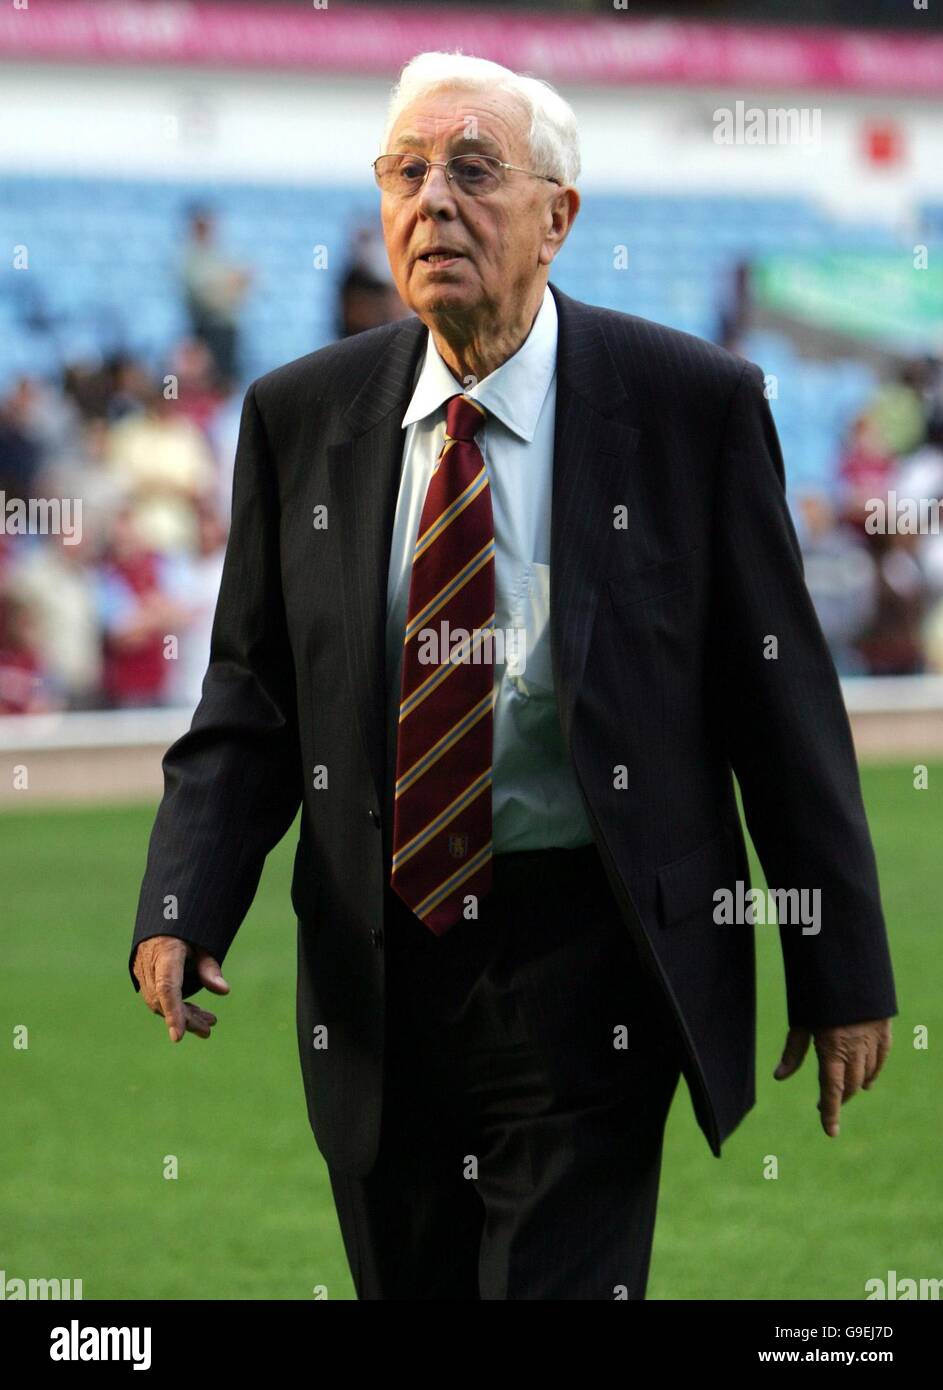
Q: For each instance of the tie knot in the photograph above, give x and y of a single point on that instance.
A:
(463, 417)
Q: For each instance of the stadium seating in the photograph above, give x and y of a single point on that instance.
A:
(103, 261)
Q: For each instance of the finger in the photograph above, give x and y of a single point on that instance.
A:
(855, 1068)
(197, 1015)
(831, 1087)
(152, 952)
(169, 978)
(884, 1047)
(137, 967)
(794, 1051)
(870, 1070)
(144, 974)
(197, 1021)
(203, 1013)
(211, 976)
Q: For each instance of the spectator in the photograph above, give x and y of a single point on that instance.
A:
(166, 462)
(933, 639)
(866, 470)
(128, 386)
(20, 457)
(368, 297)
(892, 643)
(223, 432)
(920, 481)
(88, 385)
(898, 412)
(194, 581)
(214, 289)
(42, 414)
(136, 613)
(841, 577)
(56, 582)
(199, 397)
(734, 312)
(21, 681)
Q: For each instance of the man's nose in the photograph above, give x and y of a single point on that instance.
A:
(436, 192)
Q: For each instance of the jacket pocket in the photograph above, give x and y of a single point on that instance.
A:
(686, 886)
(653, 581)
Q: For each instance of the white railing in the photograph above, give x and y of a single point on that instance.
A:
(126, 728)
(135, 728)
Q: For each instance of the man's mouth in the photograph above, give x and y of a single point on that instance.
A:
(440, 257)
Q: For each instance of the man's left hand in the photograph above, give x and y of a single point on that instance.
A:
(850, 1057)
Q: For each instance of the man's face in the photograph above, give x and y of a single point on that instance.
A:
(501, 240)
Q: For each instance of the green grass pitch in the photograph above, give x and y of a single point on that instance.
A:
(100, 1097)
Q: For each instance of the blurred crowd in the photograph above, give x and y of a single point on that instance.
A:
(873, 545)
(115, 610)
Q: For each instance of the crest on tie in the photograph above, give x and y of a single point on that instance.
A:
(458, 845)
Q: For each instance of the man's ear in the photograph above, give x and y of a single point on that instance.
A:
(561, 210)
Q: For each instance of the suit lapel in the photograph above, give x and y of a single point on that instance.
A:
(594, 445)
(365, 474)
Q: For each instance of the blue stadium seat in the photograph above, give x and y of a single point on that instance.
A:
(104, 257)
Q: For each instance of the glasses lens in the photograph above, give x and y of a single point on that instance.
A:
(476, 173)
(404, 173)
(400, 173)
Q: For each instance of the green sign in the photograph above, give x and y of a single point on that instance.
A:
(884, 298)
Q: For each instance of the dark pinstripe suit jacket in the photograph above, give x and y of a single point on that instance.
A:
(673, 561)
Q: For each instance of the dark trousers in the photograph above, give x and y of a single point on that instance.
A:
(520, 1145)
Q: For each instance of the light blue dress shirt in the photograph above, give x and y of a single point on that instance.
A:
(536, 803)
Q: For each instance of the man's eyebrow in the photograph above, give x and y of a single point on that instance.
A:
(411, 141)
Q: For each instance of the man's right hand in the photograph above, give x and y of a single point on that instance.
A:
(158, 969)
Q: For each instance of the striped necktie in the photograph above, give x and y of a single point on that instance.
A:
(442, 806)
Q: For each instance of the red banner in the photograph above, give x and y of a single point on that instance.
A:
(593, 49)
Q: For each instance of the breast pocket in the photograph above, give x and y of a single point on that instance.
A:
(653, 581)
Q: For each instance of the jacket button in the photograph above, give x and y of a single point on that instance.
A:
(376, 936)
(375, 816)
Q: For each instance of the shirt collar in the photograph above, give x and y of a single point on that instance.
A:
(514, 392)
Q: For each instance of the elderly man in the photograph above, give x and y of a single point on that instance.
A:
(511, 592)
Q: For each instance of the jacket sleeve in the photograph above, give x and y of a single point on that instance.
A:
(788, 736)
(232, 783)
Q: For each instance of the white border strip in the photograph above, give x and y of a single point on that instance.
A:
(132, 728)
(160, 727)
(893, 694)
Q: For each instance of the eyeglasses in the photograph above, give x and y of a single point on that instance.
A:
(404, 174)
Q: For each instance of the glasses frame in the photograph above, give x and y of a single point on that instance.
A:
(449, 173)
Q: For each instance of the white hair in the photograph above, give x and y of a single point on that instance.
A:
(553, 137)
